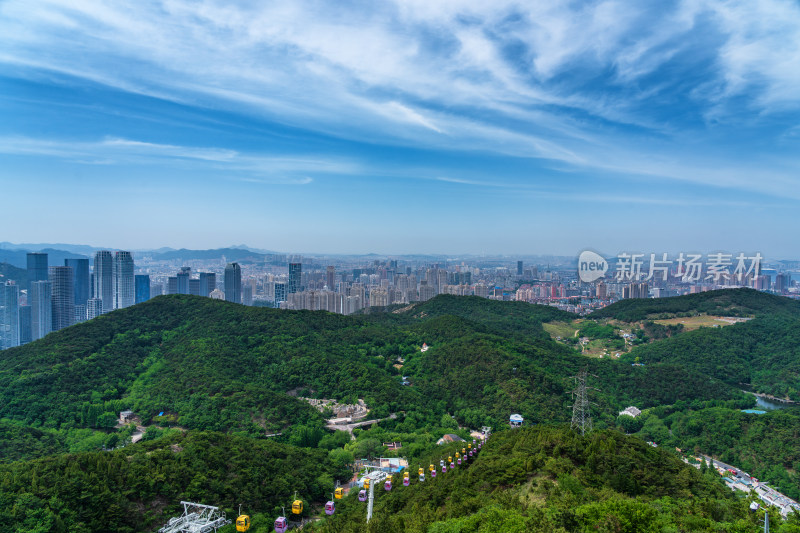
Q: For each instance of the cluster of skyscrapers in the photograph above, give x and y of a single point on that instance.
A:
(55, 297)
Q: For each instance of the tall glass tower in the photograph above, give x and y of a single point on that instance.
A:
(208, 282)
(142, 282)
(10, 300)
(40, 300)
(80, 269)
(233, 283)
(295, 275)
(62, 296)
(104, 279)
(37, 267)
(124, 295)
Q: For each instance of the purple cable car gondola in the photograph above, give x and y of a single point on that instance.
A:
(433, 473)
(362, 495)
(281, 525)
(459, 461)
(444, 469)
(452, 466)
(330, 508)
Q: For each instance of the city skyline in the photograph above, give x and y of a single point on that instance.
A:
(403, 127)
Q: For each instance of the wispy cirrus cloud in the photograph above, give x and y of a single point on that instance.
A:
(606, 86)
(291, 169)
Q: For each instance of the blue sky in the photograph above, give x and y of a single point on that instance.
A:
(400, 127)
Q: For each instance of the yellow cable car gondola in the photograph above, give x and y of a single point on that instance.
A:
(338, 493)
(366, 484)
(463, 451)
(421, 471)
(297, 507)
(449, 458)
(243, 523)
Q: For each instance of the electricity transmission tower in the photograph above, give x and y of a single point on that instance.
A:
(581, 415)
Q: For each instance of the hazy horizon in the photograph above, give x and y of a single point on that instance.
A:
(403, 127)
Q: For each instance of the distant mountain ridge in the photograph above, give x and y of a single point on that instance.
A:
(19, 259)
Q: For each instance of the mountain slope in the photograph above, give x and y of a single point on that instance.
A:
(551, 479)
(727, 302)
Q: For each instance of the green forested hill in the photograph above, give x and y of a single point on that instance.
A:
(727, 302)
(212, 365)
(763, 353)
(139, 487)
(551, 479)
(218, 366)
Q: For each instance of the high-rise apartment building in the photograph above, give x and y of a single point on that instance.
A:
(37, 267)
(233, 283)
(519, 268)
(295, 277)
(63, 297)
(782, 282)
(280, 292)
(183, 280)
(10, 300)
(141, 288)
(104, 279)
(94, 308)
(80, 269)
(24, 324)
(194, 286)
(40, 300)
(247, 294)
(208, 282)
(124, 291)
(330, 278)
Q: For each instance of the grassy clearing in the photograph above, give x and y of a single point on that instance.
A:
(701, 321)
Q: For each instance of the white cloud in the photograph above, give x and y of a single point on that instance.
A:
(452, 74)
(289, 169)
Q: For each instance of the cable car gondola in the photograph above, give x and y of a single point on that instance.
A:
(421, 473)
(243, 521)
(330, 507)
(281, 524)
(387, 485)
(297, 507)
(432, 471)
(406, 479)
(444, 469)
(362, 495)
(366, 484)
(338, 493)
